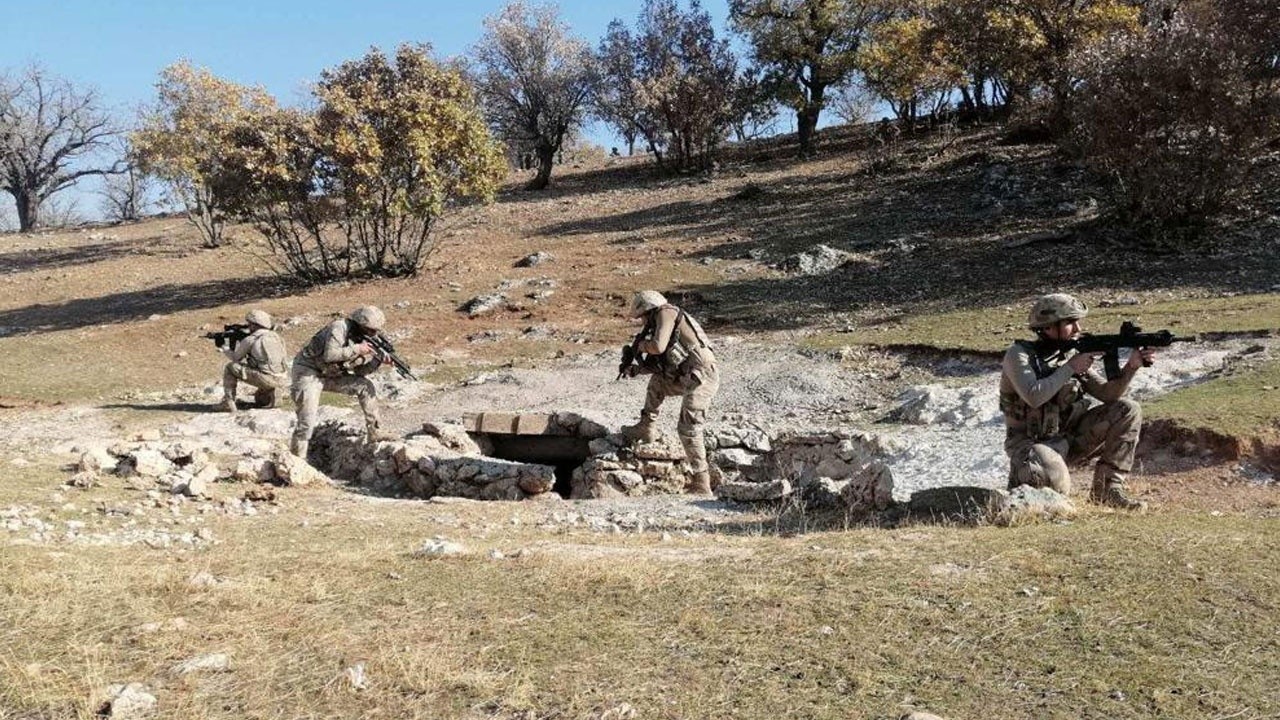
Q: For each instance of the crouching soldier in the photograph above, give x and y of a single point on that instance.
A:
(682, 363)
(1051, 424)
(257, 360)
(337, 359)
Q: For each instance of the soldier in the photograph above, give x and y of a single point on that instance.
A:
(1049, 422)
(258, 360)
(337, 359)
(682, 363)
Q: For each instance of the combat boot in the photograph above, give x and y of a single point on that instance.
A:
(228, 404)
(265, 398)
(699, 484)
(641, 431)
(299, 448)
(1113, 495)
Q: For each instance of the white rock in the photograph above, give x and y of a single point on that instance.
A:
(435, 548)
(213, 662)
(128, 701)
(97, 459)
(293, 470)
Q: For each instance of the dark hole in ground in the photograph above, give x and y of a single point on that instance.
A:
(565, 454)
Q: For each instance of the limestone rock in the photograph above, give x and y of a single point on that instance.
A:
(439, 547)
(823, 493)
(940, 405)
(537, 484)
(1027, 503)
(147, 463)
(661, 449)
(814, 261)
(920, 716)
(127, 702)
(482, 304)
(753, 492)
(258, 470)
(84, 479)
(733, 458)
(196, 487)
(290, 469)
(454, 437)
(533, 259)
(97, 459)
(213, 662)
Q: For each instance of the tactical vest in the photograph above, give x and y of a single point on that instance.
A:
(1048, 420)
(681, 355)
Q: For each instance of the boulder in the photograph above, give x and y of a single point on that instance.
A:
(97, 459)
(823, 493)
(147, 463)
(482, 304)
(1028, 503)
(533, 259)
(814, 261)
(734, 458)
(254, 470)
(660, 449)
(290, 469)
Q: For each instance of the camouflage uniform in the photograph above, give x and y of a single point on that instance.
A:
(685, 366)
(331, 361)
(258, 360)
(1050, 422)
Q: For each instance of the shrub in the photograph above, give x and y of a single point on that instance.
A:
(1172, 120)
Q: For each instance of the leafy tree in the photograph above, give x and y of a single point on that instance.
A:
(356, 186)
(50, 131)
(754, 104)
(183, 138)
(906, 64)
(535, 80)
(617, 100)
(811, 44)
(686, 80)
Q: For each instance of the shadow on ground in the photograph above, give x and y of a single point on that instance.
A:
(45, 259)
(140, 304)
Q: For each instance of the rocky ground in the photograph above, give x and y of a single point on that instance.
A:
(933, 426)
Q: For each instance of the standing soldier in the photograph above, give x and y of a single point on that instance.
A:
(1049, 422)
(337, 359)
(682, 363)
(257, 360)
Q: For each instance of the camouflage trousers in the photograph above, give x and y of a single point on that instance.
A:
(306, 389)
(1108, 432)
(266, 384)
(697, 388)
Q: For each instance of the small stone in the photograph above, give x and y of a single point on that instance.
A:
(436, 548)
(355, 677)
(496, 554)
(203, 579)
(920, 716)
(213, 662)
(127, 701)
(533, 259)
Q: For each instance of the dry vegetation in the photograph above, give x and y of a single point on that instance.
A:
(1172, 614)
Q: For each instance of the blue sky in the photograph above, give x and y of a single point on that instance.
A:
(120, 46)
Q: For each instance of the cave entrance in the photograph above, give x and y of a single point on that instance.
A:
(531, 438)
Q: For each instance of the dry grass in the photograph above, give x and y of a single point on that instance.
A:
(1036, 621)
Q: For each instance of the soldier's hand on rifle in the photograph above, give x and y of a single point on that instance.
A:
(1141, 357)
(1082, 362)
(365, 350)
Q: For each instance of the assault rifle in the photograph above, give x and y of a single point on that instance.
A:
(631, 354)
(1130, 336)
(230, 336)
(381, 344)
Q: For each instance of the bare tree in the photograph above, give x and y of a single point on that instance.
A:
(49, 131)
(126, 196)
(535, 80)
(617, 101)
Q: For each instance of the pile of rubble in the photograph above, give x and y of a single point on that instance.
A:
(185, 469)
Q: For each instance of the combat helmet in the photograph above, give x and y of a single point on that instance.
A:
(644, 301)
(369, 317)
(1052, 309)
(260, 318)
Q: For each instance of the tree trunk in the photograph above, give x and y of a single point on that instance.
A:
(28, 210)
(546, 158)
(807, 121)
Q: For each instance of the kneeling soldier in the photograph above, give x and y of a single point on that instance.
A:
(683, 364)
(1051, 424)
(337, 359)
(257, 360)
